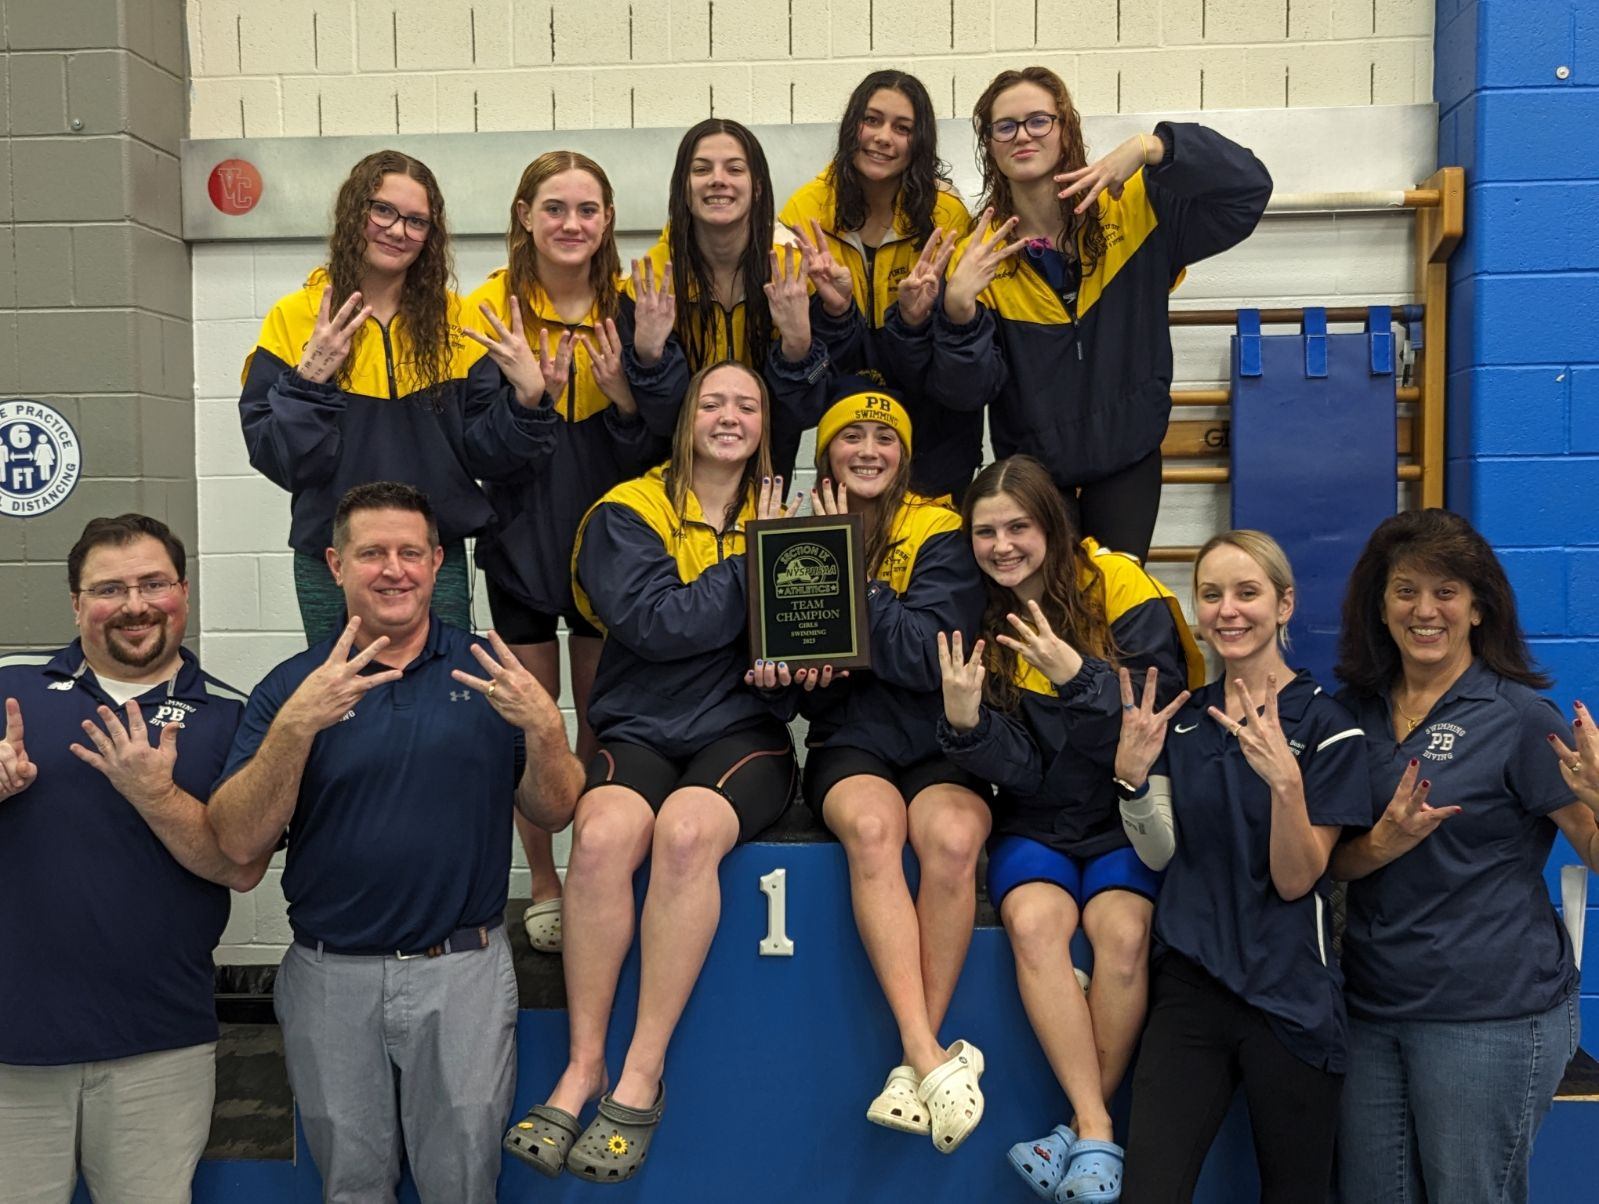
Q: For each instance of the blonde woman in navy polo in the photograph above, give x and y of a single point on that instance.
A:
(1260, 770)
(1462, 988)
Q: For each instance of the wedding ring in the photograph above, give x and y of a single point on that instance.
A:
(489, 693)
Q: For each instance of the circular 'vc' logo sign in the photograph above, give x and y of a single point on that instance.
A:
(40, 458)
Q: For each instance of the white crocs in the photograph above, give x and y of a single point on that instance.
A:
(543, 924)
(897, 1105)
(951, 1093)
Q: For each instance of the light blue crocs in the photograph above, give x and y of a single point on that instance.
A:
(1094, 1175)
(1043, 1162)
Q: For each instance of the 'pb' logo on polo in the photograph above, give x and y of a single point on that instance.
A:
(1441, 739)
(40, 458)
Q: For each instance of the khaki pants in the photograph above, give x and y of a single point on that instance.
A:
(137, 1126)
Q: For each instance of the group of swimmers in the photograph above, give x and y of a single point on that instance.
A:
(1033, 689)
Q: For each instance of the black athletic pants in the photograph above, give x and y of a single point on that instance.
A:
(1201, 1042)
(1120, 510)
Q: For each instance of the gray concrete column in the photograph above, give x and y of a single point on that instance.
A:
(94, 276)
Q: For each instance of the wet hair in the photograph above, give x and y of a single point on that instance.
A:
(425, 296)
(522, 258)
(1078, 615)
(918, 186)
(1076, 230)
(119, 532)
(698, 314)
(1264, 551)
(382, 495)
(680, 468)
(1438, 542)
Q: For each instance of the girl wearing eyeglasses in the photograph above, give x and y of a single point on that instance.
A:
(359, 376)
(1054, 309)
(875, 206)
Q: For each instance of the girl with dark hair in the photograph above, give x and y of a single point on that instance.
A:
(1240, 791)
(1036, 710)
(690, 761)
(1054, 310)
(360, 376)
(875, 207)
(1460, 979)
(719, 283)
(874, 773)
(556, 316)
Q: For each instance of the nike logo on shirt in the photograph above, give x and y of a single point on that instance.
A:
(1181, 729)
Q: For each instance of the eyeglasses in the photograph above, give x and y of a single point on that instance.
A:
(115, 591)
(417, 227)
(1037, 125)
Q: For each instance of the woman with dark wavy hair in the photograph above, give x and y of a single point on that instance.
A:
(716, 286)
(1459, 976)
(360, 376)
(1054, 310)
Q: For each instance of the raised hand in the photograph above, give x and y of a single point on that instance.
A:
(329, 345)
(1580, 766)
(1409, 810)
(334, 687)
(509, 348)
(605, 361)
(825, 499)
(977, 268)
(139, 771)
(1143, 727)
(963, 681)
(1110, 172)
(1037, 642)
(769, 502)
(17, 772)
(918, 288)
(513, 692)
(789, 300)
(654, 311)
(1261, 739)
(828, 277)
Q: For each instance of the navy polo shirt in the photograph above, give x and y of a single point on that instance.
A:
(107, 939)
(1218, 906)
(402, 831)
(1462, 927)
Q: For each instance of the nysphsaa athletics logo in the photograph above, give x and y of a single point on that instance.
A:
(40, 458)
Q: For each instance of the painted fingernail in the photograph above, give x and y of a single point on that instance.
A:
(1414, 762)
(782, 664)
(1576, 723)
(1425, 784)
(1550, 737)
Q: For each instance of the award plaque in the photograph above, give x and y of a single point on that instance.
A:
(807, 590)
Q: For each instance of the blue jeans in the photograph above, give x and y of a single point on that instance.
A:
(1445, 1112)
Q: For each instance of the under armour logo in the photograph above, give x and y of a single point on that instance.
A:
(460, 695)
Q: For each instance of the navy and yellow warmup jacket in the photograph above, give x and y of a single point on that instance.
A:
(928, 583)
(798, 390)
(668, 592)
(527, 550)
(943, 435)
(319, 440)
(1087, 388)
(1051, 762)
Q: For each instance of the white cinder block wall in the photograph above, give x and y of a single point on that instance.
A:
(372, 67)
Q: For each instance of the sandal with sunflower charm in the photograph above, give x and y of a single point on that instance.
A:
(617, 1141)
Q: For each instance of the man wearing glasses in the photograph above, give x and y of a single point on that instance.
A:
(113, 892)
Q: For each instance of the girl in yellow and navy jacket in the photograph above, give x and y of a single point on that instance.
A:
(564, 272)
(874, 773)
(691, 761)
(1042, 724)
(333, 397)
(876, 205)
(719, 299)
(1058, 324)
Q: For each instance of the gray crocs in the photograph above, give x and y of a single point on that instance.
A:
(617, 1141)
(542, 1139)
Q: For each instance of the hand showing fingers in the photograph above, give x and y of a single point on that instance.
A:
(828, 277)
(1143, 733)
(330, 692)
(769, 501)
(654, 310)
(331, 337)
(918, 288)
(789, 301)
(511, 689)
(978, 266)
(1109, 173)
(137, 769)
(508, 347)
(825, 499)
(1036, 641)
(1409, 809)
(17, 772)
(1261, 739)
(1579, 767)
(962, 681)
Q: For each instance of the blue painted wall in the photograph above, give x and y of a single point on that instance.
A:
(1523, 392)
